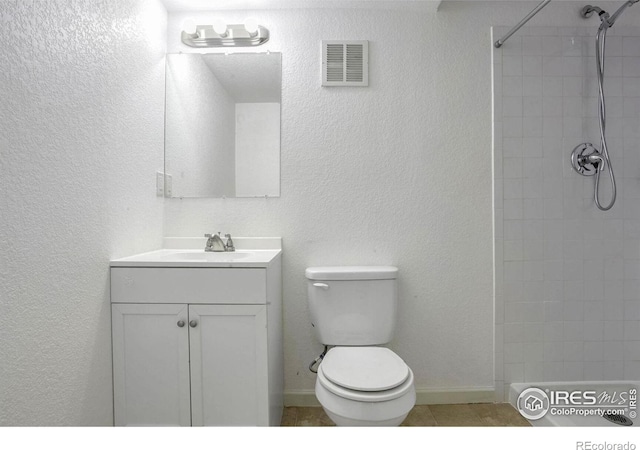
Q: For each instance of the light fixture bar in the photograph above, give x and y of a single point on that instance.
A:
(236, 36)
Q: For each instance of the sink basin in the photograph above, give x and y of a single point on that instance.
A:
(205, 256)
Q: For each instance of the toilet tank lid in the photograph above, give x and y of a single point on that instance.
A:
(337, 273)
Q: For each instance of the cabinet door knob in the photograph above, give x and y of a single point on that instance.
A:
(180, 323)
(193, 323)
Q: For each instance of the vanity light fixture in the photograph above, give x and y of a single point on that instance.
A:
(219, 34)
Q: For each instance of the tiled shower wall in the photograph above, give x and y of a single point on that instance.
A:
(567, 276)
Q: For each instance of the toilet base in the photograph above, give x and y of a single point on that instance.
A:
(350, 413)
(348, 422)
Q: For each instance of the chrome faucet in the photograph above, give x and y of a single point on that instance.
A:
(216, 244)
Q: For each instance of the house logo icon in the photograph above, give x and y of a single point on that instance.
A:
(533, 403)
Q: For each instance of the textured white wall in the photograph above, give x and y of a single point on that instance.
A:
(397, 173)
(81, 135)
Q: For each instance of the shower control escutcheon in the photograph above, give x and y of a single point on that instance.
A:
(586, 160)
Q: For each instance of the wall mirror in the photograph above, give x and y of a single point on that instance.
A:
(222, 125)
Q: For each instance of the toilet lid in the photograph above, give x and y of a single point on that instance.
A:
(364, 368)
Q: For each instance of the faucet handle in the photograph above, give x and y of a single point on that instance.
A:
(229, 247)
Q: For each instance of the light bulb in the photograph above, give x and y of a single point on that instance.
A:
(220, 27)
(189, 26)
(251, 25)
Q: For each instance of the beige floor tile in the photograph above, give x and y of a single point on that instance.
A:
(456, 416)
(313, 417)
(465, 415)
(499, 414)
(419, 416)
(289, 416)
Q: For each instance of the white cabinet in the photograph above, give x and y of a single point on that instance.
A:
(201, 363)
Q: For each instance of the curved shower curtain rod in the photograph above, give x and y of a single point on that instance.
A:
(535, 11)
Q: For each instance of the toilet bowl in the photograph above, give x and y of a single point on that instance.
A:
(365, 386)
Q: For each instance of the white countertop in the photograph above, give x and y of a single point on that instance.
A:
(189, 252)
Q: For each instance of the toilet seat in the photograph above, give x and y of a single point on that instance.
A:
(383, 376)
(370, 369)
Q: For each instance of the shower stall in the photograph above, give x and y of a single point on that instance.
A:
(566, 103)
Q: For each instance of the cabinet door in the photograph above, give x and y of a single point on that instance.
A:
(229, 373)
(151, 364)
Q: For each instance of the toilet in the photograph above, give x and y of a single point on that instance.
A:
(353, 311)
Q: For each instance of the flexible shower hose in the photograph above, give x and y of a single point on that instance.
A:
(601, 39)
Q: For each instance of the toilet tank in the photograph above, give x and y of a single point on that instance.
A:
(353, 305)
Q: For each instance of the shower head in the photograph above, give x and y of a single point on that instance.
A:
(607, 20)
(620, 10)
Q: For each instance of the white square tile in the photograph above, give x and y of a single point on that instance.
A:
(512, 147)
(513, 353)
(551, 45)
(553, 86)
(631, 46)
(512, 188)
(514, 373)
(512, 86)
(572, 87)
(513, 290)
(554, 270)
(513, 333)
(552, 106)
(512, 128)
(513, 230)
(552, 127)
(513, 250)
(533, 250)
(532, 106)
(612, 330)
(613, 351)
(553, 332)
(574, 371)
(552, 66)
(553, 371)
(511, 66)
(594, 310)
(532, 45)
(631, 370)
(513, 209)
(532, 188)
(594, 371)
(593, 351)
(593, 331)
(533, 352)
(554, 291)
(573, 331)
(573, 351)
(533, 371)
(572, 66)
(631, 330)
(512, 106)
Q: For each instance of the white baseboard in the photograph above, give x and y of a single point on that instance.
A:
(423, 396)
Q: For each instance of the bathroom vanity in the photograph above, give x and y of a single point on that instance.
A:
(197, 336)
